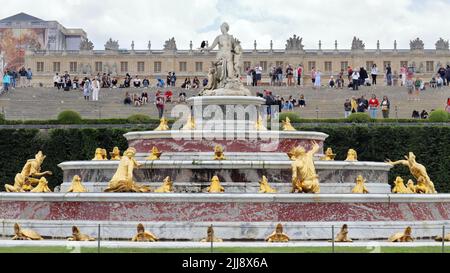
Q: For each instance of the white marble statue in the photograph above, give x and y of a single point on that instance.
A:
(226, 74)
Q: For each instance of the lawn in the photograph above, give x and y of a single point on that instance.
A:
(228, 250)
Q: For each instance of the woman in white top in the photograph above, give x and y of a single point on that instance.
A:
(95, 89)
(317, 82)
(374, 74)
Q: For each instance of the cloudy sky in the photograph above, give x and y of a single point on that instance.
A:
(261, 20)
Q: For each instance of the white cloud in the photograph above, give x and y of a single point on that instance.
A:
(261, 20)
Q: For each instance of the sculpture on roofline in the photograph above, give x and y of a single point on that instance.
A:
(358, 44)
(441, 44)
(417, 44)
(112, 45)
(170, 45)
(294, 43)
(86, 44)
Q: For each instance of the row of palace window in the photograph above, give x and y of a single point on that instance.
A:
(157, 66)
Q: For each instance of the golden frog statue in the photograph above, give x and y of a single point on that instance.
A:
(259, 125)
(167, 186)
(25, 234)
(29, 176)
(190, 124)
(425, 185)
(402, 237)
(219, 153)
(98, 155)
(215, 186)
(287, 126)
(400, 188)
(329, 155)
(304, 175)
(352, 155)
(122, 180)
(77, 186)
(210, 237)
(278, 236)
(342, 236)
(360, 187)
(143, 235)
(155, 154)
(446, 238)
(163, 125)
(77, 236)
(115, 154)
(42, 187)
(264, 186)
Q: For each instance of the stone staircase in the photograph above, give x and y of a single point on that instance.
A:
(47, 103)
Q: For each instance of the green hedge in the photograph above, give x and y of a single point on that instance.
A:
(373, 143)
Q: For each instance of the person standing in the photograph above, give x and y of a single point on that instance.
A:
(22, 77)
(86, 88)
(354, 104)
(442, 71)
(389, 75)
(403, 73)
(160, 104)
(373, 106)
(6, 81)
(385, 107)
(374, 74)
(318, 79)
(258, 70)
(313, 77)
(363, 104)
(29, 77)
(56, 80)
(249, 76)
(347, 108)
(173, 79)
(355, 80)
(447, 75)
(290, 75)
(95, 89)
(299, 75)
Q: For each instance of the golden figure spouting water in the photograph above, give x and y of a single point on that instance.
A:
(29, 176)
(143, 235)
(278, 236)
(155, 154)
(219, 153)
(360, 187)
(167, 186)
(77, 186)
(352, 155)
(25, 234)
(42, 187)
(210, 237)
(425, 185)
(264, 186)
(215, 186)
(77, 236)
(446, 238)
(329, 155)
(411, 186)
(259, 125)
(304, 175)
(342, 236)
(115, 154)
(122, 180)
(190, 124)
(98, 155)
(287, 126)
(402, 237)
(163, 125)
(400, 188)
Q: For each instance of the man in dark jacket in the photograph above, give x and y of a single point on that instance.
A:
(363, 105)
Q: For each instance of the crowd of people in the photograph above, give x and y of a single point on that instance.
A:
(13, 79)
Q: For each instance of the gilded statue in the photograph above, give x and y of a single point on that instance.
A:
(400, 188)
(190, 124)
(287, 126)
(446, 238)
(167, 186)
(304, 175)
(122, 180)
(402, 237)
(104, 154)
(25, 234)
(163, 125)
(342, 236)
(264, 186)
(352, 155)
(215, 186)
(360, 187)
(77, 186)
(425, 185)
(259, 125)
(411, 186)
(42, 187)
(219, 153)
(98, 155)
(143, 235)
(155, 154)
(291, 154)
(115, 154)
(210, 237)
(329, 155)
(77, 236)
(278, 236)
(29, 176)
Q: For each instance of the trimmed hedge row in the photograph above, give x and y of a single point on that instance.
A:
(373, 143)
